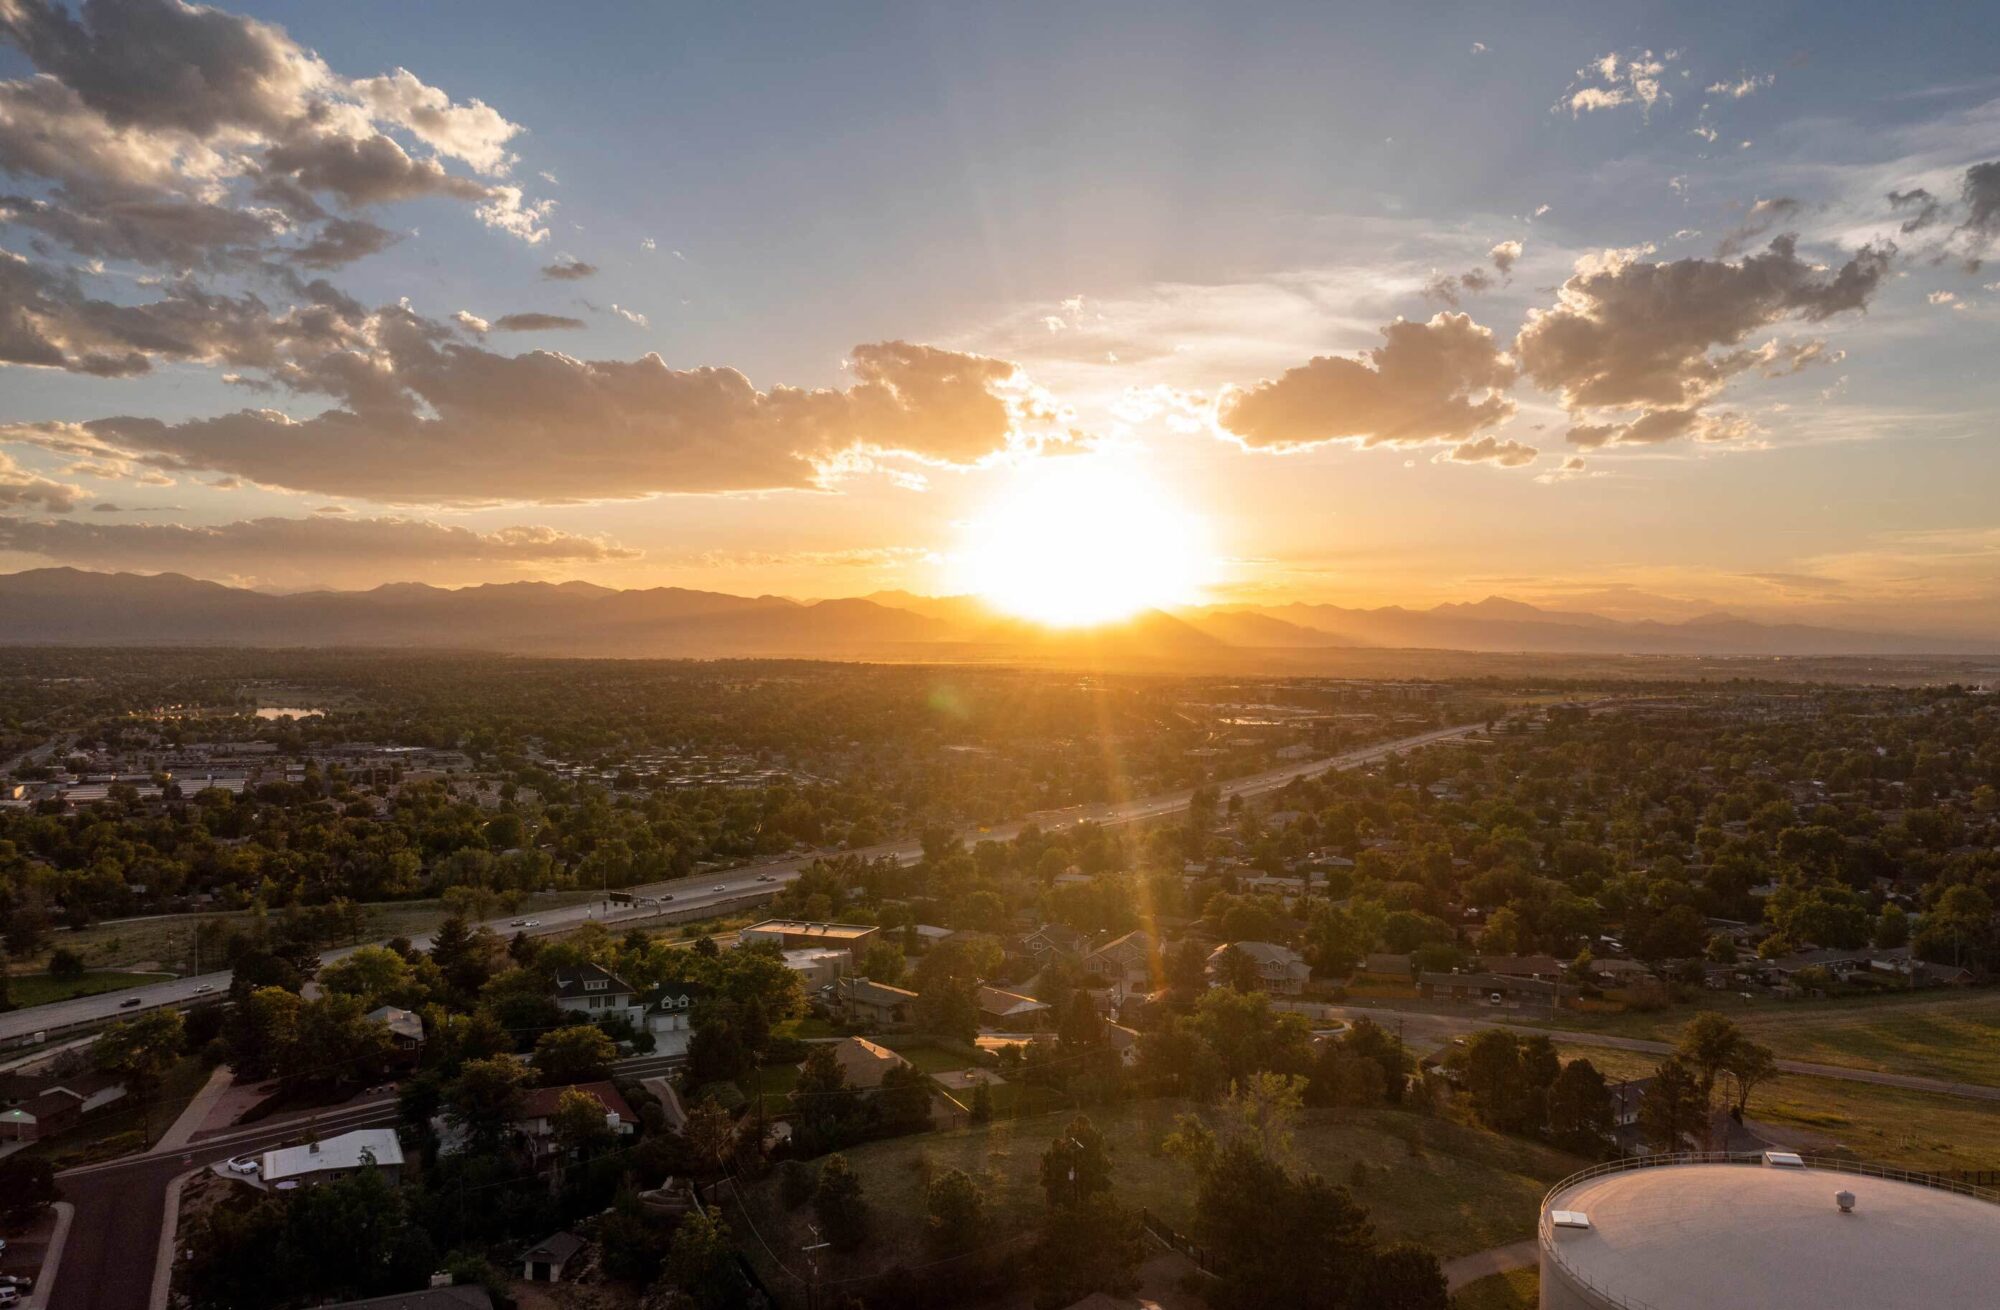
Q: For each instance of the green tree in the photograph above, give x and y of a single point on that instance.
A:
(578, 1053)
(65, 965)
(701, 1264)
(485, 1098)
(1092, 1247)
(1580, 1109)
(957, 1212)
(1076, 1167)
(140, 1052)
(1673, 1108)
(1404, 1276)
(839, 1205)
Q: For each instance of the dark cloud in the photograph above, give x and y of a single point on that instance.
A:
(1436, 381)
(1448, 287)
(1763, 217)
(426, 418)
(1967, 227)
(342, 241)
(1663, 338)
(1924, 209)
(366, 171)
(19, 488)
(308, 544)
(533, 323)
(569, 270)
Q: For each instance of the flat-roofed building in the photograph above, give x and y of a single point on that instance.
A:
(336, 1157)
(801, 935)
(1775, 1232)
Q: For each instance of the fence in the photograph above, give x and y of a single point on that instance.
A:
(1174, 1240)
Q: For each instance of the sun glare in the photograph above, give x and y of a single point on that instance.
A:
(1083, 539)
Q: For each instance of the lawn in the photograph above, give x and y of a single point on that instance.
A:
(1882, 1125)
(1452, 1188)
(1951, 1035)
(27, 989)
(1517, 1289)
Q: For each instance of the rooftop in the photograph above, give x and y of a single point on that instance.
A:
(346, 1151)
(1696, 1235)
(833, 932)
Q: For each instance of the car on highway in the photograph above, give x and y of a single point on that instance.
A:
(718, 888)
(130, 1001)
(531, 923)
(665, 899)
(248, 1165)
(204, 989)
(518, 923)
(765, 877)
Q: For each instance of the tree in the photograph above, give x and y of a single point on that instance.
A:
(578, 1053)
(65, 965)
(1186, 968)
(1235, 969)
(1748, 1065)
(883, 962)
(262, 1029)
(1404, 1276)
(957, 1212)
(981, 1108)
(903, 1102)
(1494, 1080)
(27, 1187)
(579, 1122)
(375, 974)
(140, 1052)
(1580, 1110)
(1093, 1247)
(701, 1263)
(335, 1042)
(1076, 1167)
(1279, 1240)
(837, 1201)
(710, 1134)
(485, 1098)
(1706, 1045)
(1672, 1108)
(827, 1109)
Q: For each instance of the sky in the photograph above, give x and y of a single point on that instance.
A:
(1647, 309)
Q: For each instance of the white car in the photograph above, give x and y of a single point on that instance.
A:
(9, 1295)
(531, 923)
(248, 1165)
(204, 989)
(765, 877)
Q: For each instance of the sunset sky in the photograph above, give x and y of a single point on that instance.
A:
(1645, 309)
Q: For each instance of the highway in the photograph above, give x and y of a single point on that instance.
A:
(725, 889)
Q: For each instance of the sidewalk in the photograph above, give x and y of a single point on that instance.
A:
(195, 1117)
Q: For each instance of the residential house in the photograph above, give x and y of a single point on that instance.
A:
(1483, 987)
(867, 1003)
(535, 1121)
(1281, 970)
(864, 1062)
(1131, 962)
(589, 993)
(802, 935)
(35, 1107)
(1522, 966)
(1051, 940)
(335, 1157)
(669, 1007)
(546, 1262)
(1011, 1011)
(406, 1032)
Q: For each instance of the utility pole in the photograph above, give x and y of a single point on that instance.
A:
(812, 1262)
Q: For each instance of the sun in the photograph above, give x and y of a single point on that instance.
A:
(1081, 539)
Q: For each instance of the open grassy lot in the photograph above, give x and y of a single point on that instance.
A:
(1517, 1289)
(1882, 1125)
(1954, 1035)
(1453, 1188)
(40, 989)
(125, 1127)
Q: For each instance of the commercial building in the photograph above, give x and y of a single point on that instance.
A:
(1775, 1231)
(336, 1157)
(801, 935)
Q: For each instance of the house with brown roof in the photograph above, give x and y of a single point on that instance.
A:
(35, 1107)
(867, 1003)
(1010, 1011)
(864, 1062)
(535, 1121)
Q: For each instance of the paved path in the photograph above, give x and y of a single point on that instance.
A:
(733, 888)
(195, 1116)
(1427, 1025)
(1494, 1260)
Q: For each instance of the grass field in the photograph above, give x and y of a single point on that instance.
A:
(1882, 1125)
(1953, 1035)
(1452, 1188)
(40, 989)
(1517, 1289)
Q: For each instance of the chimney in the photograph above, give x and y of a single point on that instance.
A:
(314, 1148)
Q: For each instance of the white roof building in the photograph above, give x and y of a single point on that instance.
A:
(375, 1147)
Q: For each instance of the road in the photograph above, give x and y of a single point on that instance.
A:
(721, 890)
(108, 1261)
(1425, 1026)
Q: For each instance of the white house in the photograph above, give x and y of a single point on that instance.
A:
(591, 993)
(336, 1157)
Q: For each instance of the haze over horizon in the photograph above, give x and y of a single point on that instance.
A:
(1639, 311)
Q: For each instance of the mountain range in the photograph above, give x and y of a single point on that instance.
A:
(65, 606)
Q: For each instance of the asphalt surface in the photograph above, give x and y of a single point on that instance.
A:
(1419, 1027)
(108, 1261)
(715, 890)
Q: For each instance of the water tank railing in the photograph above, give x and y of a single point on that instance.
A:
(1610, 1300)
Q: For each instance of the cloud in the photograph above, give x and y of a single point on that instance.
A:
(1504, 255)
(533, 323)
(1492, 450)
(1747, 85)
(647, 243)
(1614, 80)
(1973, 218)
(1763, 216)
(631, 316)
(19, 487)
(318, 544)
(190, 138)
(1663, 338)
(569, 270)
(471, 322)
(1448, 287)
(427, 419)
(1436, 381)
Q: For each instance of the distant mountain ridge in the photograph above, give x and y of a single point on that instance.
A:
(67, 606)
